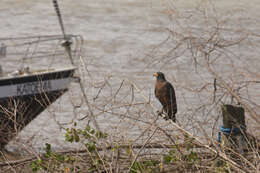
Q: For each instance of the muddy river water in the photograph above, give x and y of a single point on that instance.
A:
(120, 43)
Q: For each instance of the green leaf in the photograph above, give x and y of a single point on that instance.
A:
(60, 157)
(168, 159)
(76, 136)
(92, 131)
(67, 158)
(91, 146)
(48, 149)
(88, 128)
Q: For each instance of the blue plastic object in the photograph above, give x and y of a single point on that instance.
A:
(228, 131)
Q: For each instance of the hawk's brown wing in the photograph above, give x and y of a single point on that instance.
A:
(165, 93)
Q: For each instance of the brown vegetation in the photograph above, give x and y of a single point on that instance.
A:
(133, 138)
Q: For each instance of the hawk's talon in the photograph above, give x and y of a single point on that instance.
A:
(166, 118)
(159, 113)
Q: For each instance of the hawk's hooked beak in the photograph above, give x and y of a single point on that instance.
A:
(155, 74)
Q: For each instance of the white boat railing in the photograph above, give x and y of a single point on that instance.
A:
(37, 52)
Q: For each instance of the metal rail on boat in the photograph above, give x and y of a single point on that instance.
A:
(35, 72)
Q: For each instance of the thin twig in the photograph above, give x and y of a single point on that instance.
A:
(147, 140)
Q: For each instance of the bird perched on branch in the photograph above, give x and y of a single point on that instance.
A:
(165, 93)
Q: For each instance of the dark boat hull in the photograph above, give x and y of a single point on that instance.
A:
(27, 97)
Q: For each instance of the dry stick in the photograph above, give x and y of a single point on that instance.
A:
(151, 145)
(238, 99)
(93, 160)
(147, 140)
(220, 153)
(102, 160)
(250, 110)
(242, 158)
(86, 98)
(89, 107)
(7, 159)
(117, 168)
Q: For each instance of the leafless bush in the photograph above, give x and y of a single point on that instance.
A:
(213, 61)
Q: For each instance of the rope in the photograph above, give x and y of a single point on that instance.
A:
(228, 131)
